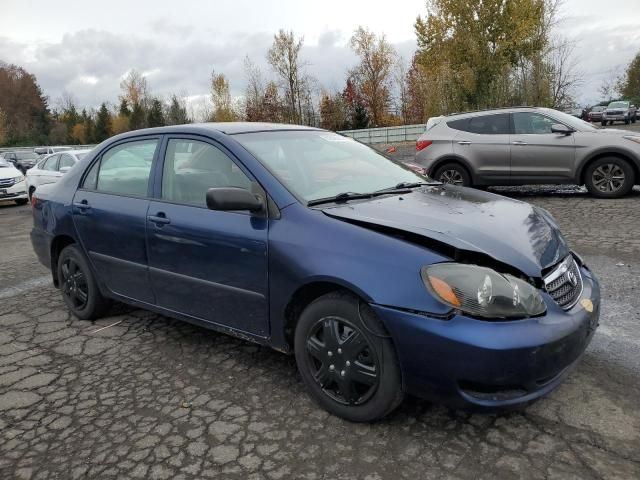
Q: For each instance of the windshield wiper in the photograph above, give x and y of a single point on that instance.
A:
(341, 197)
(403, 186)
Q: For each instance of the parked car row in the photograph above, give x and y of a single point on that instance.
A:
(12, 183)
(528, 145)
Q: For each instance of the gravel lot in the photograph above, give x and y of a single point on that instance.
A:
(138, 395)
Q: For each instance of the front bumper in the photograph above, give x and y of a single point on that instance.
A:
(15, 192)
(615, 118)
(466, 362)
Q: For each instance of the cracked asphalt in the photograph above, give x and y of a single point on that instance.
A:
(139, 395)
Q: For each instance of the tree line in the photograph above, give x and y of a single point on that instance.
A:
(471, 54)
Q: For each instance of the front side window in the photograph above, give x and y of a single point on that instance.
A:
(192, 167)
(317, 164)
(124, 169)
(526, 123)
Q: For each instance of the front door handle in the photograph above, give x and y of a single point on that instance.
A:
(159, 219)
(464, 142)
(518, 142)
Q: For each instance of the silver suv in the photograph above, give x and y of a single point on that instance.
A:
(529, 145)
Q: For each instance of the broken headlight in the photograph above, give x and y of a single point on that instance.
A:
(482, 292)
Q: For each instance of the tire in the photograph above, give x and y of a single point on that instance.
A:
(627, 121)
(634, 118)
(453, 173)
(31, 190)
(78, 286)
(21, 201)
(603, 123)
(599, 171)
(361, 383)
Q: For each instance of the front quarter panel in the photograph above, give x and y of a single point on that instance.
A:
(306, 246)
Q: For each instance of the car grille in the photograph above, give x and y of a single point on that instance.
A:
(564, 283)
(614, 112)
(6, 182)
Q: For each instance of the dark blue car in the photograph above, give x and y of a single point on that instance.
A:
(379, 280)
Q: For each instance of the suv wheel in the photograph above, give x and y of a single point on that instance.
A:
(603, 123)
(454, 174)
(627, 121)
(79, 288)
(609, 177)
(346, 359)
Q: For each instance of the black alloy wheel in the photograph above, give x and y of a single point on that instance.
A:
(342, 361)
(74, 283)
(346, 358)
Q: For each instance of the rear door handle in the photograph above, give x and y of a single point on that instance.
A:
(518, 142)
(464, 142)
(159, 219)
(82, 206)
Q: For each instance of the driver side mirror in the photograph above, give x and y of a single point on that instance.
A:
(233, 198)
(562, 129)
(64, 170)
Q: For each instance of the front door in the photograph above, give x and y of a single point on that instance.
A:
(210, 265)
(484, 142)
(110, 215)
(538, 154)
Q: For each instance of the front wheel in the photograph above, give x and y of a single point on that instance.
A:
(346, 358)
(627, 121)
(609, 177)
(79, 289)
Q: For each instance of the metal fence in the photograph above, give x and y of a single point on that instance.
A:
(405, 133)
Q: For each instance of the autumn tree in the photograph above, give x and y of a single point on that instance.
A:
(24, 105)
(254, 93)
(373, 73)
(284, 58)
(102, 129)
(629, 83)
(155, 115)
(272, 105)
(3, 128)
(333, 112)
(221, 97)
(134, 88)
(357, 116)
(177, 111)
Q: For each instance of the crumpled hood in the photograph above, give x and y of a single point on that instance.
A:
(509, 231)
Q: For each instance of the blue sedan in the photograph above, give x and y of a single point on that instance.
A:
(381, 281)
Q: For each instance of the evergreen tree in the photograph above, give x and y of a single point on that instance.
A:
(155, 116)
(87, 122)
(177, 114)
(137, 118)
(103, 124)
(124, 111)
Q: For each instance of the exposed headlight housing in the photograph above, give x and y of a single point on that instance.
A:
(483, 292)
(633, 138)
(18, 179)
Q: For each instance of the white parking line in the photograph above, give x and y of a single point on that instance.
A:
(25, 286)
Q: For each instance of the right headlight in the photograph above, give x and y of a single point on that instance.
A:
(482, 292)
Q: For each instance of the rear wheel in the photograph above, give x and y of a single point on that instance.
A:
(454, 174)
(609, 177)
(79, 288)
(346, 359)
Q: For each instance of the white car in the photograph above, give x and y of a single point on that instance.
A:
(12, 184)
(51, 168)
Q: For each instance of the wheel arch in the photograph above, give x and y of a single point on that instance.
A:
(306, 294)
(453, 159)
(622, 155)
(57, 245)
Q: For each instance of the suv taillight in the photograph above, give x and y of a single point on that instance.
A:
(422, 144)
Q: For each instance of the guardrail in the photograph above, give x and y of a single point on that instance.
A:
(405, 133)
(30, 149)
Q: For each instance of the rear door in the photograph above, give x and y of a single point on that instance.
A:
(48, 170)
(538, 154)
(210, 265)
(483, 141)
(110, 215)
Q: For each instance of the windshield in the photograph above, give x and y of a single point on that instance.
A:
(318, 164)
(571, 121)
(26, 156)
(80, 156)
(618, 105)
(4, 163)
(597, 109)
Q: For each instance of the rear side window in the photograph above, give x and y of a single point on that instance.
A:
(124, 169)
(490, 124)
(50, 163)
(192, 167)
(462, 124)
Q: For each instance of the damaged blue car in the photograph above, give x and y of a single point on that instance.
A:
(381, 281)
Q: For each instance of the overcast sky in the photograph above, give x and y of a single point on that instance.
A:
(84, 49)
